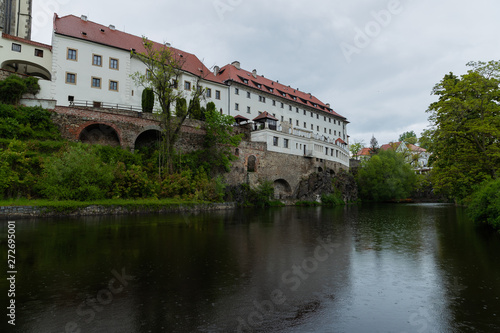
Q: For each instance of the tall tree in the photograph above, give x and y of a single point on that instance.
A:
(355, 148)
(164, 69)
(466, 121)
(374, 148)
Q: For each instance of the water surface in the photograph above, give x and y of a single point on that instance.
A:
(372, 268)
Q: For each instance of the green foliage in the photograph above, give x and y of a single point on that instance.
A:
(26, 123)
(408, 137)
(196, 111)
(14, 87)
(355, 148)
(219, 140)
(148, 100)
(180, 107)
(132, 182)
(77, 174)
(245, 196)
(18, 170)
(484, 204)
(332, 199)
(386, 176)
(466, 127)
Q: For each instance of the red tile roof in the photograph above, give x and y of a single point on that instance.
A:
(26, 41)
(364, 152)
(265, 115)
(341, 141)
(73, 26)
(231, 73)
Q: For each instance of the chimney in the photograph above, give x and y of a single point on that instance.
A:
(254, 73)
(236, 64)
(84, 17)
(216, 70)
(111, 27)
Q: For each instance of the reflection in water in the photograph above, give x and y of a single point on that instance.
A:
(374, 268)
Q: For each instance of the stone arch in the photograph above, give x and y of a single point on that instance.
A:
(98, 133)
(282, 189)
(252, 163)
(320, 169)
(148, 138)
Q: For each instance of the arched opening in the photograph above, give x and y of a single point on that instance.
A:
(27, 68)
(237, 152)
(320, 169)
(147, 140)
(252, 164)
(100, 134)
(282, 189)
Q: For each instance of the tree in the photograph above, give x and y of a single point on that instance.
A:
(466, 129)
(164, 69)
(355, 148)
(14, 87)
(426, 138)
(408, 137)
(386, 176)
(148, 100)
(374, 148)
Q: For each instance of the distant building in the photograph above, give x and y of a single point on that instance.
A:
(15, 17)
(417, 156)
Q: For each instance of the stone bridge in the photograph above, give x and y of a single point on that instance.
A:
(128, 129)
(131, 130)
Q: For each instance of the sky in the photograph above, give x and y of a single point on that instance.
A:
(375, 62)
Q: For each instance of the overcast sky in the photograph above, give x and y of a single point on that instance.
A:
(375, 62)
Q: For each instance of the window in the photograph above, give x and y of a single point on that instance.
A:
(175, 84)
(329, 120)
(275, 141)
(236, 106)
(330, 131)
(335, 133)
(312, 115)
(317, 128)
(248, 109)
(289, 107)
(282, 119)
(148, 74)
(262, 99)
(297, 110)
(217, 94)
(312, 126)
(96, 60)
(326, 150)
(96, 82)
(290, 121)
(248, 94)
(113, 63)
(208, 92)
(317, 116)
(297, 123)
(274, 102)
(113, 85)
(71, 78)
(325, 118)
(304, 112)
(282, 105)
(285, 143)
(236, 91)
(305, 124)
(72, 54)
(187, 85)
(16, 47)
(38, 53)
(334, 121)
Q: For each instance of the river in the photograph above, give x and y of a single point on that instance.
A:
(370, 268)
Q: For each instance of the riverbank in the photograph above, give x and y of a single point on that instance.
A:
(45, 208)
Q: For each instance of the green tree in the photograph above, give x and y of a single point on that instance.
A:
(356, 147)
(466, 129)
(386, 176)
(164, 69)
(484, 205)
(408, 137)
(219, 140)
(374, 148)
(148, 100)
(14, 87)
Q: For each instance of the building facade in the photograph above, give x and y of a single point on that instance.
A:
(15, 17)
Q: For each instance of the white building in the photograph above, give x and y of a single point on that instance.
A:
(91, 65)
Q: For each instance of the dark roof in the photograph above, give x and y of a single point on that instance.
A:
(26, 41)
(265, 115)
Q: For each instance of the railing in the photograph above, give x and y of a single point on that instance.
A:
(101, 105)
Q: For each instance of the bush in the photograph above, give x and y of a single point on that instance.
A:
(485, 204)
(332, 199)
(27, 123)
(77, 174)
(14, 87)
(132, 182)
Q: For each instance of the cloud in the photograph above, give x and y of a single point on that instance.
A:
(384, 90)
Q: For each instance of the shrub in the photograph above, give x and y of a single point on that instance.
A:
(14, 87)
(77, 174)
(332, 199)
(131, 182)
(484, 204)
